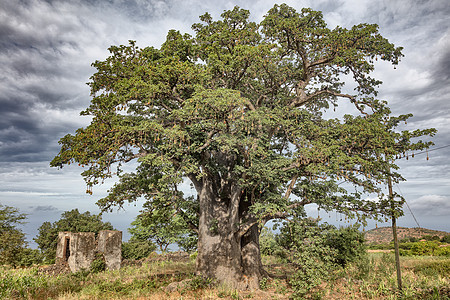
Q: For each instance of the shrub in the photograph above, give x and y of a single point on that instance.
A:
(446, 239)
(98, 264)
(312, 269)
(316, 250)
(380, 246)
(135, 249)
(431, 238)
(442, 251)
(424, 248)
(421, 248)
(408, 239)
(348, 243)
(29, 257)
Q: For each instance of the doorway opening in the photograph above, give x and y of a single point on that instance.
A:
(66, 249)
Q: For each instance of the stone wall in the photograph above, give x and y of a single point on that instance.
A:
(78, 250)
(109, 242)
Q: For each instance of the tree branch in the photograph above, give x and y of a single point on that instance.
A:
(279, 215)
(188, 222)
(208, 141)
(303, 98)
(321, 61)
(291, 186)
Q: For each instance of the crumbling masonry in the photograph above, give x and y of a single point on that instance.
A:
(79, 249)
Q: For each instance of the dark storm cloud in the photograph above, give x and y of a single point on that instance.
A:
(442, 70)
(27, 130)
(38, 77)
(43, 208)
(46, 48)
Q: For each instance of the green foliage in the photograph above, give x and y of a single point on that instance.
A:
(380, 246)
(318, 249)
(10, 218)
(13, 287)
(188, 242)
(412, 246)
(200, 282)
(349, 244)
(238, 86)
(29, 284)
(267, 242)
(408, 239)
(420, 248)
(136, 249)
(421, 278)
(446, 239)
(12, 239)
(98, 264)
(442, 251)
(73, 221)
(263, 283)
(11, 247)
(303, 242)
(161, 227)
(29, 257)
(431, 238)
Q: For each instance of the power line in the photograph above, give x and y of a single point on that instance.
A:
(398, 187)
(409, 208)
(430, 150)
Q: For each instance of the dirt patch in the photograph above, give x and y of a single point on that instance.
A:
(379, 251)
(56, 269)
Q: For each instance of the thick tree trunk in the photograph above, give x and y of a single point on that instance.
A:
(251, 257)
(222, 254)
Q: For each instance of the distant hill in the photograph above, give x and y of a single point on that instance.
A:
(384, 234)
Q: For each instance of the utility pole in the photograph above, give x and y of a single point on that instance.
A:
(394, 232)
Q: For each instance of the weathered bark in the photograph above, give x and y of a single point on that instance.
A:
(223, 254)
(251, 257)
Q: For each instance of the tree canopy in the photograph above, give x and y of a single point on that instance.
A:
(12, 239)
(238, 111)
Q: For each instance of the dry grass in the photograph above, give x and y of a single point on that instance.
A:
(423, 278)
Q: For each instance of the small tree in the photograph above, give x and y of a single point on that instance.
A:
(166, 225)
(316, 249)
(304, 245)
(47, 237)
(12, 239)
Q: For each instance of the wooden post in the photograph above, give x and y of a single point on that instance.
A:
(394, 232)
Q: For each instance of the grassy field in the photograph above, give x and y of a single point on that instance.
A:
(375, 278)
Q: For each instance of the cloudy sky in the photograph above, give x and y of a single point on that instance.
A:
(47, 47)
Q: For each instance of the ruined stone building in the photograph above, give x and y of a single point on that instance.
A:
(79, 249)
